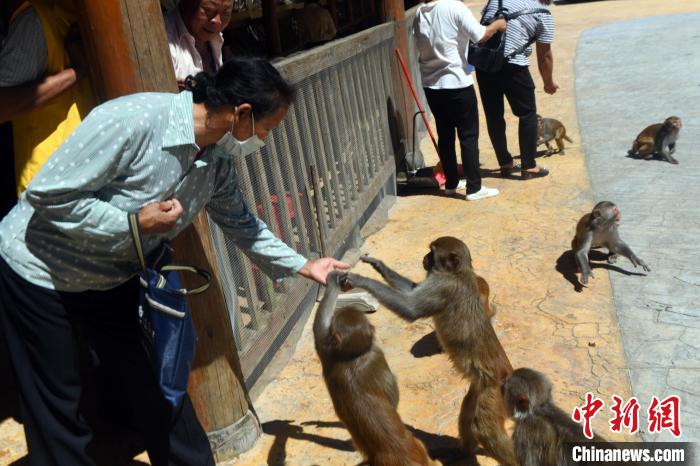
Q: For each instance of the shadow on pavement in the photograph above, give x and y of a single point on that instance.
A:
(285, 429)
(427, 346)
(566, 265)
(445, 448)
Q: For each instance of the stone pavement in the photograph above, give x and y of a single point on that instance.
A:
(626, 80)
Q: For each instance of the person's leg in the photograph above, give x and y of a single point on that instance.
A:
(491, 92)
(466, 118)
(520, 92)
(42, 345)
(172, 437)
(438, 101)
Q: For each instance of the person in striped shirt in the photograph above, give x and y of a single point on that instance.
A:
(514, 81)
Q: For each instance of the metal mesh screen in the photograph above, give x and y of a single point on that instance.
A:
(412, 61)
(319, 173)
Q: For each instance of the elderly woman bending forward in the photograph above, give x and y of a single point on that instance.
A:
(66, 254)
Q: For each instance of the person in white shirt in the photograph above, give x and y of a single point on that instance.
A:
(513, 82)
(442, 30)
(194, 36)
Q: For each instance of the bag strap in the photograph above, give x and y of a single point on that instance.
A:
(527, 11)
(135, 230)
(204, 274)
(498, 12)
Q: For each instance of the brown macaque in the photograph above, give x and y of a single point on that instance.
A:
(549, 129)
(542, 429)
(452, 295)
(598, 229)
(484, 291)
(361, 385)
(659, 139)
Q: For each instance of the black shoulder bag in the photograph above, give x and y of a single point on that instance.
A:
(490, 56)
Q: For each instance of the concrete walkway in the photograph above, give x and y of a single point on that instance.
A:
(626, 80)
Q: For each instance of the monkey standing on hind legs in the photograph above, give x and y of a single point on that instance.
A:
(599, 229)
(542, 429)
(659, 139)
(361, 385)
(451, 294)
(548, 129)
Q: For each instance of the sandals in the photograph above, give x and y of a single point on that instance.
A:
(526, 175)
(506, 171)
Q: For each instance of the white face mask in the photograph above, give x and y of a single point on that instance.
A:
(234, 147)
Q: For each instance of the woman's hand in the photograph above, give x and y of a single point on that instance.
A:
(318, 269)
(160, 217)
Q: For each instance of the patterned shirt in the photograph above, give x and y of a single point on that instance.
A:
(69, 230)
(523, 28)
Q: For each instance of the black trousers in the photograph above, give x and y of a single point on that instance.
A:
(40, 327)
(457, 109)
(516, 84)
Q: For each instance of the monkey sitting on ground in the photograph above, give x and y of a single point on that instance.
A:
(659, 139)
(599, 229)
(548, 129)
(542, 429)
(361, 385)
(452, 295)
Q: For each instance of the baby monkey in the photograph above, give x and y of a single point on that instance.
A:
(542, 429)
(548, 129)
(597, 230)
(659, 139)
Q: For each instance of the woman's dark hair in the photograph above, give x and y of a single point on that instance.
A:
(241, 80)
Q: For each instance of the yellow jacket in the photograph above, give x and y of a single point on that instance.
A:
(39, 132)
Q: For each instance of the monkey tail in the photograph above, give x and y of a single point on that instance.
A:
(567, 138)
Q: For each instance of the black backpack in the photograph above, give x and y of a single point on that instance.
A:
(489, 56)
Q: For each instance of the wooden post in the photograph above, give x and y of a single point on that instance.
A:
(127, 46)
(333, 10)
(272, 27)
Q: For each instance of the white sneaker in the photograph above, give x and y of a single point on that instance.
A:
(461, 186)
(483, 193)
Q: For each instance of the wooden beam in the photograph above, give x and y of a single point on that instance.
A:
(127, 45)
(272, 28)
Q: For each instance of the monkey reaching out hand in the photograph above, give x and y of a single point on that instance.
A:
(452, 294)
(659, 139)
(548, 129)
(599, 229)
(362, 387)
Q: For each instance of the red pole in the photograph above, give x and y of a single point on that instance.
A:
(415, 97)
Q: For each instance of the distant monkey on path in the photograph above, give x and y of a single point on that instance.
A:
(548, 129)
(659, 139)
